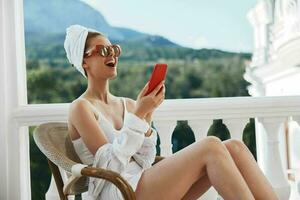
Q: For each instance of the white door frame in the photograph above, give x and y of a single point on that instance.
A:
(14, 147)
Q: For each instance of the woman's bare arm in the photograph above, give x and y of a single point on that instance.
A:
(83, 119)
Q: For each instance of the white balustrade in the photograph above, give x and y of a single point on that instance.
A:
(52, 193)
(274, 169)
(165, 130)
(200, 128)
(199, 113)
(295, 186)
(15, 168)
(236, 127)
(296, 119)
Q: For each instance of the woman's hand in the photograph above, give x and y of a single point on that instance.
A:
(147, 104)
(148, 117)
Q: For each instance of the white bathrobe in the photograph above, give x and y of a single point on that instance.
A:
(115, 155)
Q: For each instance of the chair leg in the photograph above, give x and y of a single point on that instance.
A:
(58, 180)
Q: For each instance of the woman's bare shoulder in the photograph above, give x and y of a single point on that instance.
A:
(79, 106)
(76, 109)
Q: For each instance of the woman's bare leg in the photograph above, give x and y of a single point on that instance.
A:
(172, 177)
(197, 189)
(256, 180)
(245, 162)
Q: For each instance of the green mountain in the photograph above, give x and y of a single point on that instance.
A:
(48, 20)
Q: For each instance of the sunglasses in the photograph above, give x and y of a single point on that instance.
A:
(104, 51)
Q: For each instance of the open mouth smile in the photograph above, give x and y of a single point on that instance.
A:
(110, 63)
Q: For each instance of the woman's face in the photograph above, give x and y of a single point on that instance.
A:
(97, 66)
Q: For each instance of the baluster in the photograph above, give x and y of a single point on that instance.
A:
(261, 145)
(294, 184)
(296, 188)
(297, 183)
(210, 194)
(200, 128)
(65, 179)
(236, 127)
(52, 193)
(296, 119)
(274, 169)
(165, 129)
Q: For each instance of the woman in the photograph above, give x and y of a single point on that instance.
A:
(114, 133)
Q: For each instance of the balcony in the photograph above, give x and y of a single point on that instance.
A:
(270, 114)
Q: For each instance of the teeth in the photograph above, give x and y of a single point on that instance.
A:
(110, 62)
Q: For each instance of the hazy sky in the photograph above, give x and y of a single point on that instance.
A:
(220, 24)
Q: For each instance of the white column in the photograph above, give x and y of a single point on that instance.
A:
(296, 172)
(274, 168)
(200, 128)
(165, 129)
(210, 194)
(14, 168)
(297, 119)
(3, 114)
(295, 185)
(261, 144)
(52, 193)
(236, 127)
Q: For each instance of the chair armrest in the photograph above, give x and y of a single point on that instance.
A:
(113, 177)
(157, 159)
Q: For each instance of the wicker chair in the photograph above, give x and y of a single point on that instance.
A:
(53, 140)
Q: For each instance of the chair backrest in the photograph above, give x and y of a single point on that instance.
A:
(54, 141)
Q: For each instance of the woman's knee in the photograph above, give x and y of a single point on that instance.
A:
(235, 146)
(213, 146)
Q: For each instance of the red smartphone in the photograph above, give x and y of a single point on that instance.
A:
(158, 75)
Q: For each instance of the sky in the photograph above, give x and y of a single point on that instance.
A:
(219, 24)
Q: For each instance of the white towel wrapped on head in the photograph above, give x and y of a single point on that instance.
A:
(74, 45)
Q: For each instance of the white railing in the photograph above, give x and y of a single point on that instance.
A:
(269, 112)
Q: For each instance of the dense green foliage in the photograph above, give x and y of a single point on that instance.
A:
(191, 74)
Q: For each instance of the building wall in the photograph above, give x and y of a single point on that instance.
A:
(286, 86)
(275, 66)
